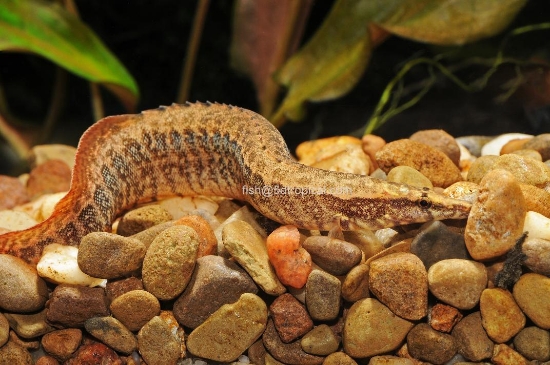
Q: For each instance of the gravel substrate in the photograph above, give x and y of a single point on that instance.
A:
(207, 280)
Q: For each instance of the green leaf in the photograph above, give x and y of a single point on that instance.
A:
(331, 63)
(47, 29)
(447, 22)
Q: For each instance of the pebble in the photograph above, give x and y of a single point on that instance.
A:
(12, 353)
(21, 289)
(492, 228)
(5, 329)
(89, 353)
(464, 190)
(71, 306)
(541, 144)
(161, 340)
(291, 262)
(112, 333)
(370, 328)
(248, 248)
(290, 318)
(514, 145)
(408, 175)
(340, 358)
(42, 153)
(52, 176)
(170, 261)
(320, 341)
(537, 251)
(494, 146)
(12, 191)
(230, 330)
(334, 256)
(107, 255)
(533, 343)
(501, 317)
(182, 206)
(532, 154)
(390, 360)
(372, 144)
(400, 281)
(532, 293)
(471, 338)
(425, 343)
(435, 242)
(537, 225)
(13, 220)
(536, 200)
(287, 353)
(323, 296)
(208, 243)
(46, 360)
(441, 140)
(216, 281)
(29, 326)
(457, 282)
(474, 144)
(444, 317)
(349, 158)
(480, 167)
(140, 219)
(505, 355)
(116, 288)
(356, 284)
(430, 162)
(61, 344)
(135, 308)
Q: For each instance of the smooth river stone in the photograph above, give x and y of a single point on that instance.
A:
(471, 338)
(161, 340)
(538, 255)
(320, 341)
(29, 326)
(230, 330)
(408, 175)
(140, 219)
(135, 308)
(541, 144)
(290, 317)
(71, 306)
(112, 333)
(425, 343)
(400, 281)
(500, 315)
(5, 329)
(441, 140)
(492, 228)
(532, 293)
(323, 293)
(335, 256)
(533, 343)
(457, 282)
(370, 328)
(248, 248)
(61, 344)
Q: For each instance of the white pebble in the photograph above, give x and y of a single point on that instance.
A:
(537, 225)
(181, 206)
(59, 265)
(494, 146)
(15, 221)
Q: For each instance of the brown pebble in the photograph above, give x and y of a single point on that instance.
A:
(140, 219)
(320, 341)
(12, 353)
(533, 343)
(161, 340)
(89, 353)
(71, 306)
(323, 295)
(53, 176)
(505, 355)
(12, 191)
(116, 288)
(372, 144)
(400, 281)
(135, 308)
(441, 140)
(61, 344)
(113, 333)
(501, 316)
(532, 293)
(290, 317)
(425, 343)
(444, 317)
(5, 329)
(471, 338)
(536, 199)
(541, 144)
(513, 145)
(46, 360)
(334, 256)
(356, 284)
(339, 358)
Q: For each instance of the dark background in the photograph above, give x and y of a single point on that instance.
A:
(150, 39)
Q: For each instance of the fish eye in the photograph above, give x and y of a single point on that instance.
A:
(424, 203)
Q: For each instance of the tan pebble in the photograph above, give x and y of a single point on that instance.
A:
(21, 289)
(537, 225)
(42, 153)
(334, 256)
(29, 326)
(529, 154)
(13, 220)
(533, 343)
(532, 293)
(290, 318)
(430, 162)
(425, 343)
(536, 200)
(372, 144)
(320, 341)
(248, 248)
(505, 355)
(12, 353)
(370, 329)
(229, 331)
(340, 358)
(492, 228)
(537, 251)
(107, 255)
(53, 176)
(135, 308)
(390, 360)
(161, 340)
(457, 282)
(463, 190)
(4, 330)
(513, 145)
(494, 146)
(408, 175)
(501, 316)
(441, 140)
(471, 338)
(169, 262)
(113, 333)
(480, 167)
(356, 284)
(309, 151)
(179, 207)
(343, 158)
(400, 281)
(287, 353)
(12, 191)
(444, 317)
(323, 292)
(148, 236)
(142, 218)
(540, 143)
(46, 360)
(61, 344)
(208, 243)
